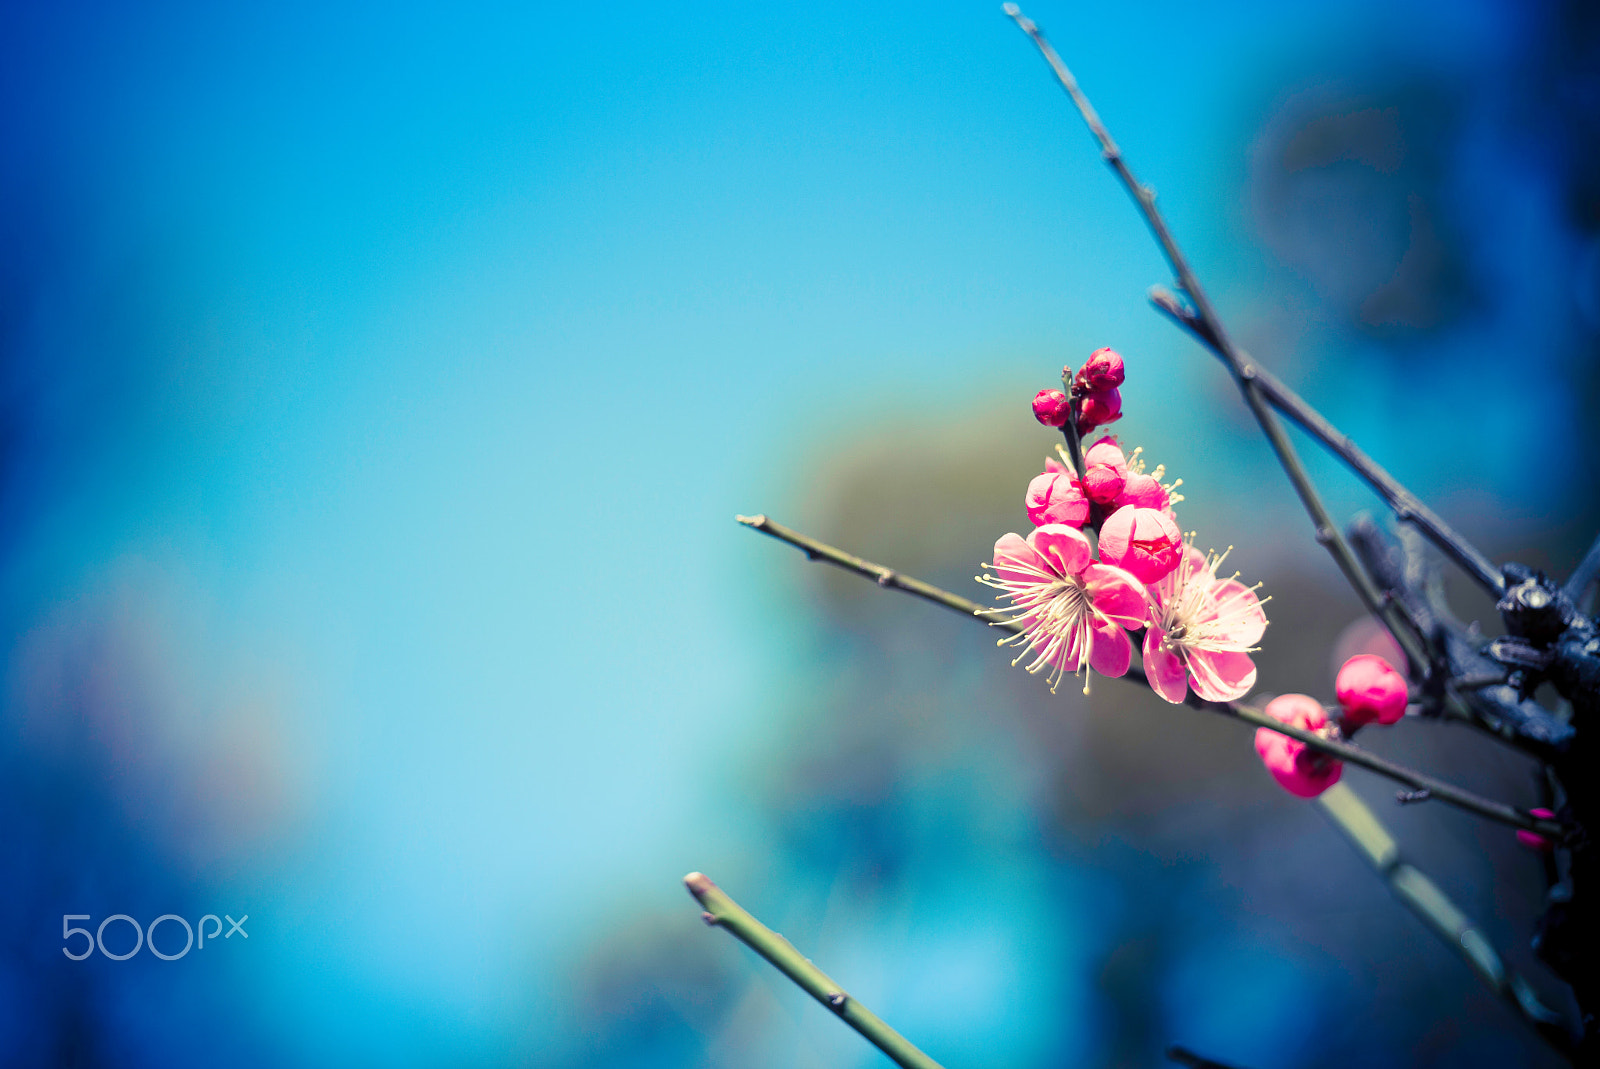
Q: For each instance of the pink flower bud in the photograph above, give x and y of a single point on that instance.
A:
(1144, 492)
(1142, 542)
(1056, 497)
(1532, 839)
(1298, 769)
(1051, 407)
(1370, 690)
(1097, 408)
(1105, 471)
(1102, 371)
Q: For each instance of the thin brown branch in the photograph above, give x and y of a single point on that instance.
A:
(1327, 532)
(1245, 713)
(1406, 505)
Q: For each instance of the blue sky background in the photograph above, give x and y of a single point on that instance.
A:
(380, 382)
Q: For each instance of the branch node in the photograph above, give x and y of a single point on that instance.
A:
(1411, 797)
(837, 1001)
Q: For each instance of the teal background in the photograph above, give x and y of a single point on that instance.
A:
(380, 383)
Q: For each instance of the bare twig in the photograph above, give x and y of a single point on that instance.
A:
(1407, 507)
(1423, 897)
(1240, 711)
(1327, 532)
(724, 912)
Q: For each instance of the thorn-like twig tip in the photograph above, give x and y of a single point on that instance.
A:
(1011, 9)
(699, 884)
(752, 521)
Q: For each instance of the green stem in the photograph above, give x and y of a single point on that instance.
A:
(724, 912)
(1423, 898)
(1249, 714)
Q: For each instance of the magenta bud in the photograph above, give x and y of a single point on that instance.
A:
(1300, 770)
(1532, 839)
(1105, 471)
(1056, 497)
(1051, 408)
(1097, 408)
(1102, 371)
(1143, 542)
(1370, 691)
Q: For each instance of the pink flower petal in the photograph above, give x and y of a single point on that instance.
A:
(1108, 453)
(1116, 594)
(1056, 497)
(1164, 669)
(1221, 676)
(1065, 548)
(1015, 561)
(1142, 490)
(1143, 542)
(1238, 605)
(1111, 652)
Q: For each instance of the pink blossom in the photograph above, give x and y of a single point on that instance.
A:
(1202, 632)
(1072, 609)
(1097, 408)
(1051, 407)
(1142, 541)
(1533, 839)
(1102, 371)
(1370, 690)
(1105, 471)
(1300, 770)
(1146, 490)
(1055, 496)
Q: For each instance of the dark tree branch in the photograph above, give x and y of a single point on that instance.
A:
(1248, 714)
(1407, 507)
(1244, 374)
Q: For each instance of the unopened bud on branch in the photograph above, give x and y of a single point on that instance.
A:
(1051, 407)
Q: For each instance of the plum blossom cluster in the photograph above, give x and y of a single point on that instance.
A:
(1079, 603)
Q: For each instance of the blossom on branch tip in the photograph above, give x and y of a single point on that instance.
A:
(1300, 770)
(1072, 609)
(1202, 631)
(1141, 541)
(1102, 371)
(1370, 690)
(1052, 408)
(1056, 496)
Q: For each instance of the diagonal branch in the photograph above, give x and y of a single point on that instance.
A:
(1249, 714)
(1434, 908)
(724, 912)
(1244, 374)
(1407, 507)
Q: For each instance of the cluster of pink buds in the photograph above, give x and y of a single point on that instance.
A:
(1076, 601)
(1370, 691)
(1095, 399)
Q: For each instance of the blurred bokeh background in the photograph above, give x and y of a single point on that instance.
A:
(378, 383)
